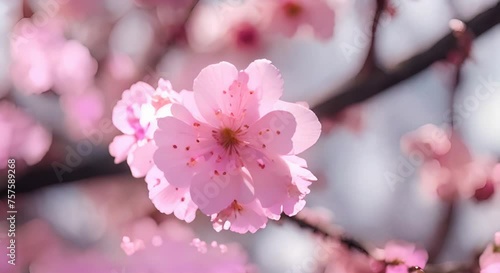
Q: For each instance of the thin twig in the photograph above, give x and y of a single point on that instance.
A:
(358, 91)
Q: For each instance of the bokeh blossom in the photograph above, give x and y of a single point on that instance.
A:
(344, 260)
(22, 137)
(448, 167)
(399, 256)
(171, 247)
(233, 143)
(43, 59)
(135, 116)
(141, 246)
(290, 15)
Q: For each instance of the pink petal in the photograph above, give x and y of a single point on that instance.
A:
(308, 126)
(270, 177)
(273, 133)
(397, 269)
(170, 199)
(140, 159)
(209, 86)
(249, 217)
(322, 19)
(265, 79)
(179, 156)
(212, 193)
(495, 268)
(120, 147)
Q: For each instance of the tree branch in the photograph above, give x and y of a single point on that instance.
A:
(370, 63)
(358, 91)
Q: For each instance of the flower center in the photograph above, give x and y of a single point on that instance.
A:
(159, 101)
(292, 9)
(496, 248)
(228, 139)
(395, 262)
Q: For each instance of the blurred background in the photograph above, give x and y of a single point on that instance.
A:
(81, 55)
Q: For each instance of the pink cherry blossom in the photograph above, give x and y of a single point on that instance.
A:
(290, 15)
(448, 168)
(491, 256)
(135, 116)
(22, 137)
(233, 142)
(43, 59)
(399, 256)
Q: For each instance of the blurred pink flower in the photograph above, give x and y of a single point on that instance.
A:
(290, 15)
(42, 59)
(238, 27)
(230, 140)
(447, 168)
(490, 259)
(82, 9)
(176, 4)
(350, 118)
(22, 137)
(399, 256)
(343, 260)
(142, 246)
(147, 245)
(495, 268)
(135, 116)
(82, 111)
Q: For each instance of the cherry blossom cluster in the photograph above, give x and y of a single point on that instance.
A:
(228, 148)
(138, 247)
(22, 137)
(248, 24)
(172, 247)
(447, 166)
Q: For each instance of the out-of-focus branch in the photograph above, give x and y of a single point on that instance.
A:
(357, 91)
(441, 234)
(370, 63)
(176, 35)
(348, 242)
(353, 244)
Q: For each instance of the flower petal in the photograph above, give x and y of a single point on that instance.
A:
(120, 147)
(273, 133)
(213, 193)
(270, 177)
(140, 159)
(265, 79)
(308, 126)
(209, 86)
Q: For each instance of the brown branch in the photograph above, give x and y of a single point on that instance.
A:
(353, 244)
(348, 242)
(442, 233)
(359, 91)
(370, 63)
